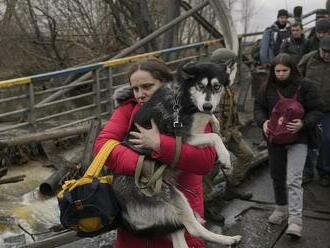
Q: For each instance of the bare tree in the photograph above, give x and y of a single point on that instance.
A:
(247, 13)
(45, 35)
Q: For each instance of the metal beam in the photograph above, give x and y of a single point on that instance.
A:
(202, 21)
(226, 24)
(161, 30)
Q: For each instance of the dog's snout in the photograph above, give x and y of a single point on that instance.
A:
(207, 107)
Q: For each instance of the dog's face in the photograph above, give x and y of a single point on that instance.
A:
(205, 83)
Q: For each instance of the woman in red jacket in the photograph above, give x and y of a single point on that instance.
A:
(145, 78)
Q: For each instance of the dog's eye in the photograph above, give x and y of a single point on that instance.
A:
(217, 87)
(200, 85)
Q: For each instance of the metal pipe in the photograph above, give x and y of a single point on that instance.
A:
(51, 185)
(19, 111)
(66, 112)
(13, 98)
(97, 94)
(14, 126)
(32, 112)
(109, 87)
(41, 92)
(66, 100)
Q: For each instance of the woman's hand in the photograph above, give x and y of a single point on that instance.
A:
(295, 125)
(146, 138)
(265, 127)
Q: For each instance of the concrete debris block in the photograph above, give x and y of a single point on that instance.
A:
(15, 241)
(7, 220)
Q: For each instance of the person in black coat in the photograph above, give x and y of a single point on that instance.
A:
(322, 29)
(295, 45)
(320, 14)
(287, 160)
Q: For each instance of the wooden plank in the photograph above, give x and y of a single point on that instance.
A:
(14, 179)
(55, 241)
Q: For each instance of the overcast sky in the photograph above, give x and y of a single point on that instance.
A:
(266, 10)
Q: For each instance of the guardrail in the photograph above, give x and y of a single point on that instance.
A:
(44, 97)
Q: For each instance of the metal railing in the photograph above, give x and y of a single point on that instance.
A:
(44, 101)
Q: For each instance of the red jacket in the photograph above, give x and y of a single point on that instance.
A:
(194, 163)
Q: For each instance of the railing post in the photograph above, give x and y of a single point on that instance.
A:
(110, 91)
(198, 51)
(97, 93)
(32, 112)
(206, 50)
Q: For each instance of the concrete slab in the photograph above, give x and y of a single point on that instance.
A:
(317, 197)
(259, 184)
(234, 209)
(255, 230)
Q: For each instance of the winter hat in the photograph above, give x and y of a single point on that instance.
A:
(325, 43)
(320, 13)
(282, 12)
(322, 26)
(223, 56)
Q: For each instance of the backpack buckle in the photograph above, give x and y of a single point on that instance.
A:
(78, 205)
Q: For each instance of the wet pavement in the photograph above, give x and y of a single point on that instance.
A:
(252, 221)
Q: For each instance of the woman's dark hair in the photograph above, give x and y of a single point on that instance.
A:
(286, 60)
(157, 68)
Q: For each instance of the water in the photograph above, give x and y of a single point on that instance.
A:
(24, 212)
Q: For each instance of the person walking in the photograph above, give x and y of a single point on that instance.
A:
(273, 37)
(287, 160)
(295, 45)
(229, 121)
(315, 66)
(319, 15)
(322, 29)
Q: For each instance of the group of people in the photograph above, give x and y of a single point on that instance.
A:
(299, 68)
(283, 46)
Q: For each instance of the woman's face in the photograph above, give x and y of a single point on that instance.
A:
(144, 85)
(282, 72)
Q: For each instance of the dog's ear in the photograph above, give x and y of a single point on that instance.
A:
(186, 71)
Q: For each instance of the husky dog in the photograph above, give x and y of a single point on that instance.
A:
(197, 92)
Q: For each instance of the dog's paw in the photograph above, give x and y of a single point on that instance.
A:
(234, 240)
(227, 170)
(224, 159)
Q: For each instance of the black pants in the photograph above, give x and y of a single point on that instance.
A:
(277, 162)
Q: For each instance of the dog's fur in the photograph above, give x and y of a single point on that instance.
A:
(199, 88)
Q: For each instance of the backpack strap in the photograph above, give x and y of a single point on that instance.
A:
(295, 95)
(279, 94)
(98, 162)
